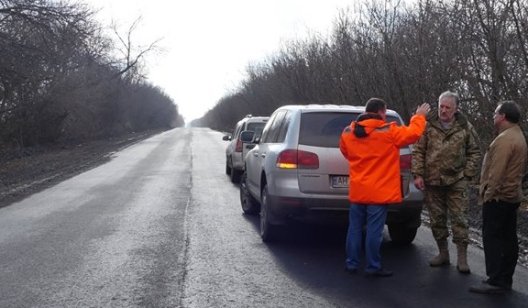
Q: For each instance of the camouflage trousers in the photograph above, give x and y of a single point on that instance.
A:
(451, 202)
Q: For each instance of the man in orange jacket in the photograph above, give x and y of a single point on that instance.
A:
(372, 148)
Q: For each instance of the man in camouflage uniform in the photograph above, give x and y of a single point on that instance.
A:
(445, 159)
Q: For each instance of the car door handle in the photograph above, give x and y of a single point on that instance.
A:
(255, 154)
(263, 155)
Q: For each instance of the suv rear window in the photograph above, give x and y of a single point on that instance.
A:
(256, 127)
(323, 129)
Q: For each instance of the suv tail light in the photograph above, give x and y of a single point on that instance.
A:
(297, 159)
(405, 162)
(238, 146)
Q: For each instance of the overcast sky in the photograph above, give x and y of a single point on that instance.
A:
(209, 43)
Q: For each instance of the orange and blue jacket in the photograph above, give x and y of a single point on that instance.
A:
(372, 148)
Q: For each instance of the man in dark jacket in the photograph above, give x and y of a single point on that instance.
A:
(500, 195)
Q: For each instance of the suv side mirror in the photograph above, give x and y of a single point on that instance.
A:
(226, 138)
(247, 136)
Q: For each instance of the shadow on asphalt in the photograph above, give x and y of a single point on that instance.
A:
(313, 255)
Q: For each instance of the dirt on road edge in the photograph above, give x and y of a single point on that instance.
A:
(28, 171)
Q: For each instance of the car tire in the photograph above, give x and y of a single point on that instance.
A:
(250, 205)
(401, 234)
(267, 229)
(228, 169)
(234, 175)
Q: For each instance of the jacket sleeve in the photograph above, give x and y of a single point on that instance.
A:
(473, 154)
(342, 142)
(498, 155)
(418, 156)
(405, 135)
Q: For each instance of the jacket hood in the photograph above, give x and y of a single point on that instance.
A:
(366, 123)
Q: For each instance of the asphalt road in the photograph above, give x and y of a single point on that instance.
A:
(160, 225)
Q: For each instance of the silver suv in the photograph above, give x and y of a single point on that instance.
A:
(296, 170)
(236, 149)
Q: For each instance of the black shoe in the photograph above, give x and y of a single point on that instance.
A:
(487, 281)
(351, 270)
(486, 288)
(379, 273)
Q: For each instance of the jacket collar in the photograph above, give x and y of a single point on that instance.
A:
(460, 119)
(368, 116)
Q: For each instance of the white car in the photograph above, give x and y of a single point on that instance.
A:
(236, 150)
(296, 171)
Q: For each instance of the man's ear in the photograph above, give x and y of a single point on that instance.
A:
(383, 113)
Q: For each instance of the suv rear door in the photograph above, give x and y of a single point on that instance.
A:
(319, 133)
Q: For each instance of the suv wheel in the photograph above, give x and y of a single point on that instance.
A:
(401, 234)
(267, 229)
(235, 175)
(249, 204)
(228, 168)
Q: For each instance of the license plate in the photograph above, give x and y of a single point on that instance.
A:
(339, 181)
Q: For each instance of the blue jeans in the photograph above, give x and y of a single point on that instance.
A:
(373, 217)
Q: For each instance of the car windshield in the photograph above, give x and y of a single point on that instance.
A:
(256, 127)
(323, 129)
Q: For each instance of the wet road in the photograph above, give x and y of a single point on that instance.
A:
(161, 226)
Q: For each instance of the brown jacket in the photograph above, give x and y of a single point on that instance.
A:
(503, 167)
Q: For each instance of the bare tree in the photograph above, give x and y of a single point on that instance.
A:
(132, 56)
(59, 79)
(404, 54)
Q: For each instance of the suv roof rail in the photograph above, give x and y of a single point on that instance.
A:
(249, 115)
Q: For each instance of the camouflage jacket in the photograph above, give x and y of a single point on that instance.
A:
(442, 157)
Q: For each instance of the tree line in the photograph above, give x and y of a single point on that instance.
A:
(404, 53)
(61, 81)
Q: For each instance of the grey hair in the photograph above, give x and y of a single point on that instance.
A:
(449, 94)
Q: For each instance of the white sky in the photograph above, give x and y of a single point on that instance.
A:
(209, 43)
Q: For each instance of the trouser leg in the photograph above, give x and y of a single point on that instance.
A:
(435, 200)
(457, 201)
(458, 207)
(356, 221)
(376, 216)
(510, 244)
(491, 239)
(436, 206)
(500, 241)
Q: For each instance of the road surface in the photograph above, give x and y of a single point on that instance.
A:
(160, 225)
